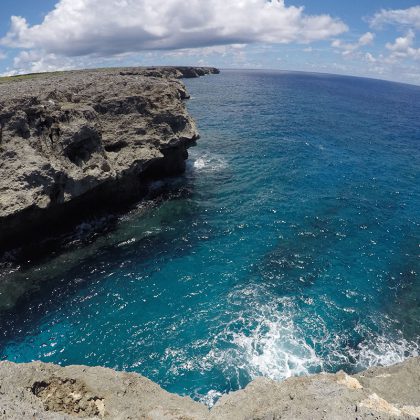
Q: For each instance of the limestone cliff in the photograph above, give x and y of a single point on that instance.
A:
(45, 391)
(72, 142)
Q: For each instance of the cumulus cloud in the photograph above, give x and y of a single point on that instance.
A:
(403, 47)
(36, 61)
(366, 39)
(349, 48)
(109, 27)
(221, 50)
(401, 54)
(405, 17)
(369, 57)
(399, 61)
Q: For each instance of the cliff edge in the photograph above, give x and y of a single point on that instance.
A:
(45, 391)
(73, 142)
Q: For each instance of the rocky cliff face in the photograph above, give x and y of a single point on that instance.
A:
(76, 141)
(44, 391)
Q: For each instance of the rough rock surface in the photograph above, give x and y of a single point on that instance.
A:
(75, 141)
(45, 391)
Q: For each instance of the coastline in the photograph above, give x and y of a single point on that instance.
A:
(80, 142)
(390, 397)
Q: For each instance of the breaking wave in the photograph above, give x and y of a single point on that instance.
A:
(208, 163)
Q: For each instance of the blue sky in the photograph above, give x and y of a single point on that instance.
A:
(372, 38)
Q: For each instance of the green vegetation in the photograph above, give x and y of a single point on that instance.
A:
(6, 79)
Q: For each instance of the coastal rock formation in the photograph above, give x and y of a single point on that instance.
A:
(76, 141)
(46, 391)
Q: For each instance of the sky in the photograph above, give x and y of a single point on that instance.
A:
(369, 38)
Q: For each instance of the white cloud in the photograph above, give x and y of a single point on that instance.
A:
(399, 63)
(369, 57)
(366, 39)
(399, 60)
(405, 17)
(15, 36)
(403, 47)
(349, 48)
(390, 68)
(221, 50)
(109, 27)
(3, 55)
(35, 61)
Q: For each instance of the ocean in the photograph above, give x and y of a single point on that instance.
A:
(290, 246)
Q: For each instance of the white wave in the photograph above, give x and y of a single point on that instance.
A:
(208, 163)
(265, 342)
(274, 345)
(210, 398)
(276, 348)
(267, 339)
(127, 242)
(383, 351)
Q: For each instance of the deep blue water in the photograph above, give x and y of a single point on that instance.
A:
(289, 247)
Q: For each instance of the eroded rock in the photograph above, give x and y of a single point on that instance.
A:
(46, 391)
(69, 396)
(76, 141)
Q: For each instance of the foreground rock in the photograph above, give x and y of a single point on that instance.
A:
(73, 142)
(46, 391)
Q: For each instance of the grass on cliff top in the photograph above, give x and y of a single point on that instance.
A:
(6, 79)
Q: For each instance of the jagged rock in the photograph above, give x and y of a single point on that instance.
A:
(75, 141)
(46, 391)
(378, 393)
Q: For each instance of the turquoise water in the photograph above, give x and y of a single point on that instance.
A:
(289, 247)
